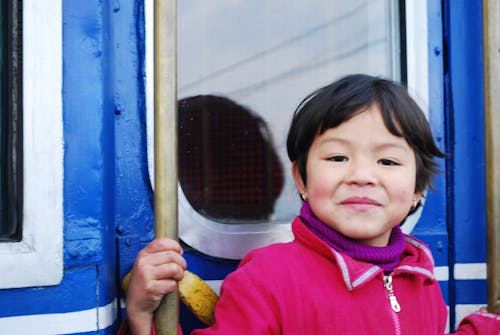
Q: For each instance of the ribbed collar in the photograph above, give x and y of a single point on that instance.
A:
(386, 257)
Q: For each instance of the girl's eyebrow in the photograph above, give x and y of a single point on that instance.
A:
(393, 145)
(378, 146)
(334, 139)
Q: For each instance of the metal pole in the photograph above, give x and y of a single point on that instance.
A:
(491, 17)
(165, 139)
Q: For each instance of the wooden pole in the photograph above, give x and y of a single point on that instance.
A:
(165, 139)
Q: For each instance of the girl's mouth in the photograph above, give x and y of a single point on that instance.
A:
(360, 203)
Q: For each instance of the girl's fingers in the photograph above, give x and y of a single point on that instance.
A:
(169, 271)
(163, 279)
(163, 244)
(164, 265)
(158, 288)
(159, 258)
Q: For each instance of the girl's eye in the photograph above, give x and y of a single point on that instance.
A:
(338, 158)
(388, 162)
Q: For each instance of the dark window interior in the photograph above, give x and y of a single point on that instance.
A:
(11, 121)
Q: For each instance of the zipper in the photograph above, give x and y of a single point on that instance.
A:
(393, 302)
(392, 297)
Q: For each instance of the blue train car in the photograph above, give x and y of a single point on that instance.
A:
(77, 140)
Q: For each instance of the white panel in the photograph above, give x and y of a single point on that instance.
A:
(38, 260)
(417, 52)
(469, 271)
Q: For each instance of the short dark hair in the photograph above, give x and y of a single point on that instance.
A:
(337, 102)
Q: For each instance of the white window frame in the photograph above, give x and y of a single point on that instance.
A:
(417, 54)
(37, 260)
(417, 71)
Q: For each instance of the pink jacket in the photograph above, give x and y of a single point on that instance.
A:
(304, 287)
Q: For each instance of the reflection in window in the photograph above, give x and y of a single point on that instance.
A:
(267, 56)
(228, 167)
(10, 120)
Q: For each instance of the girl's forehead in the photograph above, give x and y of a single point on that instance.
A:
(367, 125)
(374, 111)
(369, 117)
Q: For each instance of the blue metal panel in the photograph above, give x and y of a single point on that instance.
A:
(431, 227)
(103, 45)
(466, 79)
(76, 292)
(105, 124)
(470, 292)
(89, 145)
(133, 191)
(86, 202)
(106, 89)
(466, 172)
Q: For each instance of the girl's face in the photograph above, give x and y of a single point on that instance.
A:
(360, 178)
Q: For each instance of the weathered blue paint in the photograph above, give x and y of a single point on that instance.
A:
(470, 292)
(89, 146)
(432, 226)
(85, 127)
(105, 169)
(467, 88)
(76, 292)
(133, 190)
(466, 171)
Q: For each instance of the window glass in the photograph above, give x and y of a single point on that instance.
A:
(243, 67)
(10, 121)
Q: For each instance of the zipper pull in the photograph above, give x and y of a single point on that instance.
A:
(392, 297)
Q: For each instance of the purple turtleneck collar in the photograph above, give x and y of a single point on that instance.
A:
(386, 257)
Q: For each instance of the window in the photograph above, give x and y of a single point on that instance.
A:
(37, 258)
(267, 56)
(11, 122)
(258, 59)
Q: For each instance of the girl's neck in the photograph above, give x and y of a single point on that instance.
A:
(386, 257)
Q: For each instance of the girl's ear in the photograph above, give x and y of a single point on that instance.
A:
(416, 198)
(299, 183)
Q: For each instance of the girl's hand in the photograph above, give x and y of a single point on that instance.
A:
(157, 270)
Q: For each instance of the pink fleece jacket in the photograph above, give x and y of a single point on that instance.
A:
(304, 287)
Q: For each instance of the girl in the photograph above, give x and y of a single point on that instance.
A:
(362, 154)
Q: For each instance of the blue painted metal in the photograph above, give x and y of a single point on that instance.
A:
(470, 292)
(89, 143)
(133, 190)
(432, 226)
(76, 292)
(467, 87)
(105, 174)
(464, 112)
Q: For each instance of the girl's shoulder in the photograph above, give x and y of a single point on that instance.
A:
(277, 260)
(422, 246)
(417, 255)
(271, 254)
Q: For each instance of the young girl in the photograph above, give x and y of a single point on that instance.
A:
(362, 154)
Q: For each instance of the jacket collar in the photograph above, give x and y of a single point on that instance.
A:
(417, 258)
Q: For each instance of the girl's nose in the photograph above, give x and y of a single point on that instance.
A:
(361, 172)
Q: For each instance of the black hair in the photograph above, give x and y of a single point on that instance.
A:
(337, 102)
